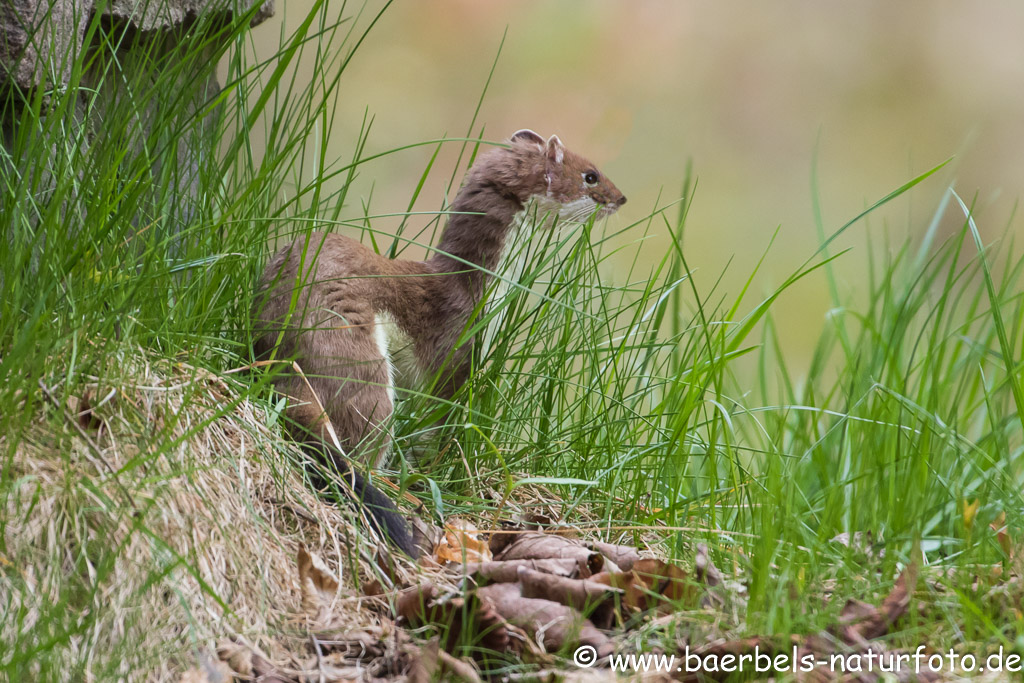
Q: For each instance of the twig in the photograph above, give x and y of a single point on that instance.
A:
(295, 510)
(319, 657)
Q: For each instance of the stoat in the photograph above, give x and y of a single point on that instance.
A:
(358, 324)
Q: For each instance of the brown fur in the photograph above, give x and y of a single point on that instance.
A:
(339, 288)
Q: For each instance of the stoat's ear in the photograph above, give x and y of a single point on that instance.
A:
(527, 135)
(555, 150)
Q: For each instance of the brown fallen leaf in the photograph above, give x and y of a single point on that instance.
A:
(535, 520)
(596, 600)
(535, 546)
(554, 626)
(372, 588)
(461, 543)
(507, 571)
(860, 623)
(704, 569)
(318, 585)
(415, 603)
(457, 618)
(430, 663)
(85, 414)
(623, 556)
(424, 666)
(651, 583)
(502, 539)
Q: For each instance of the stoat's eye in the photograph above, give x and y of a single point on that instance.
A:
(590, 177)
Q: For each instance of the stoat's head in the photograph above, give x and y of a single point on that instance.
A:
(548, 178)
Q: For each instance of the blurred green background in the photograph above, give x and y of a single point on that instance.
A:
(749, 92)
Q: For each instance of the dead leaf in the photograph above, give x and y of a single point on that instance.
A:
(970, 511)
(431, 663)
(372, 588)
(860, 622)
(507, 571)
(461, 543)
(554, 626)
(671, 578)
(457, 618)
(596, 600)
(622, 555)
(651, 583)
(415, 602)
(855, 611)
(534, 546)
(424, 665)
(535, 521)
(318, 584)
(502, 539)
(704, 569)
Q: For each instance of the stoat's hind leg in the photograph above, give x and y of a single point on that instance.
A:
(347, 369)
(312, 429)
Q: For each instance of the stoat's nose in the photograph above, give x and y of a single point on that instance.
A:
(621, 200)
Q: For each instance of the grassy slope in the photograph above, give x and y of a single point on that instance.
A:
(626, 396)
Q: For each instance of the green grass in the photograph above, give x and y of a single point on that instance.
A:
(909, 410)
(642, 399)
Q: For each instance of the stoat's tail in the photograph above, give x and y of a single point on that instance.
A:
(382, 512)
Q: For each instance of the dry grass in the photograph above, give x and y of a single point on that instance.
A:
(194, 540)
(155, 516)
(156, 528)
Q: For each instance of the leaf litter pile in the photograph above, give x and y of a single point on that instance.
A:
(535, 595)
(562, 605)
(219, 542)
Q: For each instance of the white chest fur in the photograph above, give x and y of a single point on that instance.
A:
(537, 216)
(399, 351)
(524, 240)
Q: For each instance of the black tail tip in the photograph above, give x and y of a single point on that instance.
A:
(381, 511)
